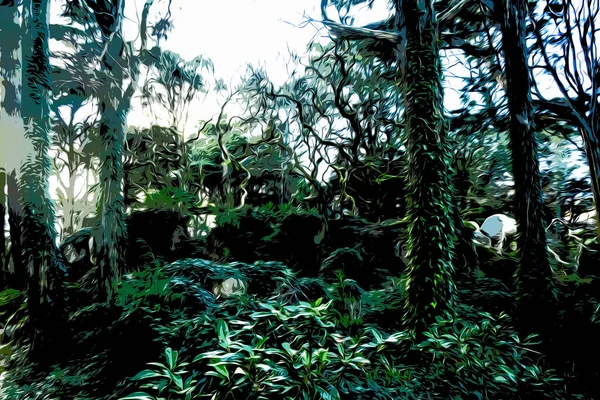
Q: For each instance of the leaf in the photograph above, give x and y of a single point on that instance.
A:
(138, 396)
(146, 374)
(222, 370)
(264, 367)
(287, 347)
(222, 330)
(171, 356)
(178, 380)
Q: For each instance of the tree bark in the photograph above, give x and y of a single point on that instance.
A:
(12, 142)
(429, 286)
(533, 271)
(38, 236)
(591, 142)
(110, 234)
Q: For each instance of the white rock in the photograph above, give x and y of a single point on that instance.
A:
(499, 228)
(230, 286)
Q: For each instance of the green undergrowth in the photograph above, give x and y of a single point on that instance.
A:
(167, 336)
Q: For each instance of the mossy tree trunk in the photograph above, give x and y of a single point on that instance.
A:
(534, 271)
(110, 234)
(40, 252)
(429, 286)
(11, 125)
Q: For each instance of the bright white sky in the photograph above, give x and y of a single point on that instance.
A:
(234, 33)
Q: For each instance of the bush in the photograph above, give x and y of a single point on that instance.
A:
(286, 337)
(291, 351)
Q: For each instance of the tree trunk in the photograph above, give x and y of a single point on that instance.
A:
(111, 235)
(534, 271)
(465, 259)
(429, 287)
(11, 125)
(40, 252)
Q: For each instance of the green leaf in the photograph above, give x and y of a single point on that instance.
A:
(146, 374)
(171, 356)
(138, 396)
(222, 370)
(222, 330)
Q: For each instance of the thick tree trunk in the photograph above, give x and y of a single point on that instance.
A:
(110, 235)
(40, 253)
(534, 270)
(11, 126)
(465, 259)
(429, 287)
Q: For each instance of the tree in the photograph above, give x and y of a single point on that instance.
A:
(11, 124)
(9, 111)
(429, 285)
(117, 62)
(3, 264)
(174, 84)
(40, 253)
(75, 138)
(110, 235)
(534, 269)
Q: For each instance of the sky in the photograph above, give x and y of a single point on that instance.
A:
(234, 33)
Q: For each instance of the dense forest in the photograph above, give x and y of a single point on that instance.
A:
(343, 235)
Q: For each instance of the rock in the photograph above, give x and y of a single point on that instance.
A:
(77, 255)
(499, 228)
(229, 287)
(162, 230)
(401, 252)
(255, 236)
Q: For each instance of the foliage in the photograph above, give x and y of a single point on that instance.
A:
(176, 199)
(270, 350)
(260, 345)
(170, 376)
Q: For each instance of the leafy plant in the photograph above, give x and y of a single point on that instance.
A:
(168, 380)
